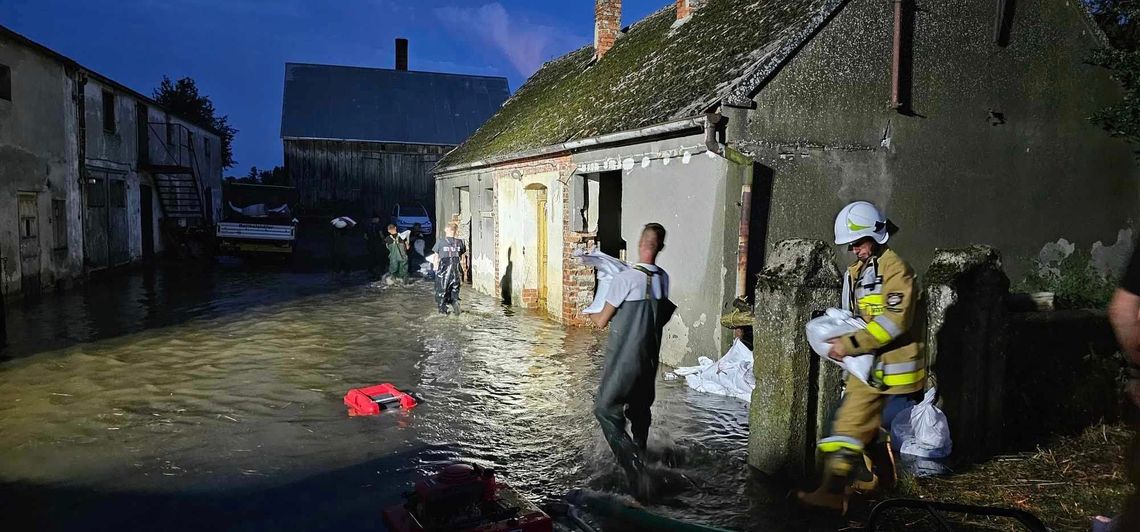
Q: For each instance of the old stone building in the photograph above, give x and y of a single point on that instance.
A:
(740, 123)
(93, 175)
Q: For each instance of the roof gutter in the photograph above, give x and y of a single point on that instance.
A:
(707, 121)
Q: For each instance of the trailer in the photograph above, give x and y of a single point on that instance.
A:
(257, 219)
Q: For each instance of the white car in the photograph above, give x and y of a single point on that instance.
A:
(405, 215)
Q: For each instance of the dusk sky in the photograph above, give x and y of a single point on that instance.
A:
(237, 49)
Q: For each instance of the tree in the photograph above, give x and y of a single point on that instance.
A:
(182, 98)
(1118, 19)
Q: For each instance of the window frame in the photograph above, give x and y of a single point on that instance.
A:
(59, 223)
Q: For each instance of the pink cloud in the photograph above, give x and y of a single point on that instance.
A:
(526, 45)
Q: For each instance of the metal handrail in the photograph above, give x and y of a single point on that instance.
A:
(174, 155)
(1028, 520)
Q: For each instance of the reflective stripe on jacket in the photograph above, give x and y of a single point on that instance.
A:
(883, 293)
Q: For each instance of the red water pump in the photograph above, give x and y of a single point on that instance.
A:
(466, 497)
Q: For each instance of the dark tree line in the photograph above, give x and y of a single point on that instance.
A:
(1118, 19)
(182, 98)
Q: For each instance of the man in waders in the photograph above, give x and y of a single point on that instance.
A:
(878, 287)
(637, 308)
(448, 253)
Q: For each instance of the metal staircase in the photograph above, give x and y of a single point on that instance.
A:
(169, 157)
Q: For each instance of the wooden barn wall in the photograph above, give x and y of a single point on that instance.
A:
(357, 178)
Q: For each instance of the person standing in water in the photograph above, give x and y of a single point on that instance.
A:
(448, 254)
(637, 309)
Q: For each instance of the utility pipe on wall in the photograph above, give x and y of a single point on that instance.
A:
(896, 57)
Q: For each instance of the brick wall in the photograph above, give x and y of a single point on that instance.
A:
(607, 25)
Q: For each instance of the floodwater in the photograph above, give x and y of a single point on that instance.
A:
(195, 396)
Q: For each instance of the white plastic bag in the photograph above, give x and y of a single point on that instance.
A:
(731, 375)
(922, 430)
(606, 267)
(834, 323)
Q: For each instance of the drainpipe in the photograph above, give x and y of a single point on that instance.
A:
(742, 244)
(896, 59)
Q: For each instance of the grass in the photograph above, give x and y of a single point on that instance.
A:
(1064, 483)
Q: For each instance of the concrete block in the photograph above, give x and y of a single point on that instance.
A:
(965, 331)
(788, 407)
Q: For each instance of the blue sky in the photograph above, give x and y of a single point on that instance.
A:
(236, 49)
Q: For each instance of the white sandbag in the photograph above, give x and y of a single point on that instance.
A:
(418, 246)
(832, 324)
(342, 222)
(606, 267)
(731, 375)
(922, 430)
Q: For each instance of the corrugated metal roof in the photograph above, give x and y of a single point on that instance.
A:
(373, 104)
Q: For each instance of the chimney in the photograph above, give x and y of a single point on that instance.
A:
(607, 25)
(401, 54)
(685, 8)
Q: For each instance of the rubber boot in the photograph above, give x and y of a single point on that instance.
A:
(864, 479)
(455, 306)
(832, 491)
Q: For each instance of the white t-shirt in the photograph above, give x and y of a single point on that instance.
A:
(630, 285)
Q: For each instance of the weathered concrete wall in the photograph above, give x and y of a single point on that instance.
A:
(965, 343)
(482, 244)
(38, 155)
(677, 184)
(949, 174)
(795, 390)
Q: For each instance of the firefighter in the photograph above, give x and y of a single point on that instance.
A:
(878, 287)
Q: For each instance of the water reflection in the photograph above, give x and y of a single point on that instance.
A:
(214, 396)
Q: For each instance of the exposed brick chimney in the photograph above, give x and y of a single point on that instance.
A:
(685, 8)
(607, 25)
(401, 54)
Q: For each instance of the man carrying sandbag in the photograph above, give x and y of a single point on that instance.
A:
(879, 287)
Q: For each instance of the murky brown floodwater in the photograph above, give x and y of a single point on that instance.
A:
(192, 397)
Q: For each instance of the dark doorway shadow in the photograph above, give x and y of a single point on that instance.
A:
(610, 241)
(505, 282)
(761, 207)
(1003, 21)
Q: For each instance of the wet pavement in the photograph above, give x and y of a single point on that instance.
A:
(193, 396)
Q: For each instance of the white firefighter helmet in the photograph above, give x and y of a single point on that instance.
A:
(861, 219)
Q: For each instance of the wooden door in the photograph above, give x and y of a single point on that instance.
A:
(118, 230)
(146, 220)
(95, 220)
(28, 208)
(542, 246)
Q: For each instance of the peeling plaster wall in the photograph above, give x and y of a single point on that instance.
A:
(695, 198)
(949, 175)
(37, 154)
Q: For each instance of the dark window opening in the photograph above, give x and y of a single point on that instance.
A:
(59, 223)
(610, 240)
(108, 111)
(5, 83)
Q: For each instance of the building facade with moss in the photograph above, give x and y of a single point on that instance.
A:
(737, 124)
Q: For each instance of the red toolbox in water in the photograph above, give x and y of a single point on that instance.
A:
(371, 400)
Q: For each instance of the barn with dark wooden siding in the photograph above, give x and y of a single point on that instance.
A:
(359, 140)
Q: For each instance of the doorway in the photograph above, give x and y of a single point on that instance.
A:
(540, 212)
(536, 195)
(27, 210)
(463, 201)
(146, 219)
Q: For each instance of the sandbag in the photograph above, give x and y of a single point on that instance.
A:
(922, 430)
(731, 375)
(832, 324)
(606, 267)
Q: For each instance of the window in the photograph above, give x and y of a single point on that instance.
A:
(59, 223)
(206, 148)
(27, 213)
(118, 197)
(5, 83)
(108, 111)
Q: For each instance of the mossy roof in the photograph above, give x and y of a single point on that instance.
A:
(654, 73)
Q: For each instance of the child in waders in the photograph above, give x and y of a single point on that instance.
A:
(397, 254)
(448, 254)
(637, 308)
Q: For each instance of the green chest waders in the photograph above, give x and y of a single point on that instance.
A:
(630, 374)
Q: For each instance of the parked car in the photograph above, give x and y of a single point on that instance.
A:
(405, 215)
